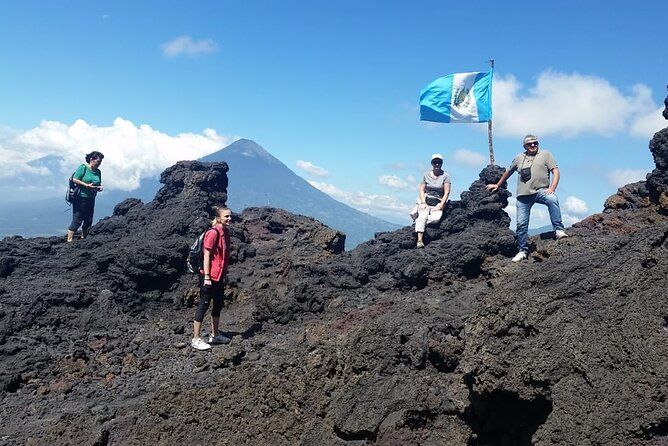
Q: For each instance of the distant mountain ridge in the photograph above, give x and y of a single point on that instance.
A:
(256, 178)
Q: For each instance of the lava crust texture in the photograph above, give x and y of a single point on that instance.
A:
(387, 344)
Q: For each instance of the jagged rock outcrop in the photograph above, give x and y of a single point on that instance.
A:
(640, 204)
(657, 181)
(472, 231)
(386, 344)
(133, 264)
(574, 352)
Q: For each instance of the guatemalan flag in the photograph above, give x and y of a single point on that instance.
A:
(459, 97)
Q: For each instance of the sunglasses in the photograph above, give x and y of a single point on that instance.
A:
(532, 144)
(437, 162)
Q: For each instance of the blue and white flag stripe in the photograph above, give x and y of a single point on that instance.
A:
(459, 97)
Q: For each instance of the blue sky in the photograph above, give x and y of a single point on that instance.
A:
(334, 85)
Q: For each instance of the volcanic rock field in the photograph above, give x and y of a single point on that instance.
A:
(386, 344)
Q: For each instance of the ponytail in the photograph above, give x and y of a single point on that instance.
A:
(218, 210)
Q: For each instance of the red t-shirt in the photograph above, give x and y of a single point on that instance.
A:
(218, 242)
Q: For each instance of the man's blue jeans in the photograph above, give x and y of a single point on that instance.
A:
(524, 204)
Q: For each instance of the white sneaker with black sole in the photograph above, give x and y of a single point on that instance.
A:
(520, 256)
(199, 344)
(559, 233)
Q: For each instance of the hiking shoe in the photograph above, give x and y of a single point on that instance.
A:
(199, 344)
(420, 245)
(520, 256)
(219, 339)
(559, 233)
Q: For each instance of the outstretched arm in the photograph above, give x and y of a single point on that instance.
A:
(504, 177)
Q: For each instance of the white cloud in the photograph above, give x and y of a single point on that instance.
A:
(646, 125)
(539, 217)
(185, 45)
(312, 168)
(469, 158)
(569, 105)
(574, 210)
(575, 205)
(511, 209)
(621, 177)
(131, 152)
(11, 167)
(569, 220)
(329, 189)
(392, 181)
(374, 204)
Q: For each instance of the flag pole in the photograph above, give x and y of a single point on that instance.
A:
(489, 128)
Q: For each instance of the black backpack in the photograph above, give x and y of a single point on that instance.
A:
(195, 260)
(73, 191)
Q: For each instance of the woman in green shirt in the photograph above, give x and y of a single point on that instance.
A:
(89, 179)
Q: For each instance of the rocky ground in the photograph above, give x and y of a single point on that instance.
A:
(386, 344)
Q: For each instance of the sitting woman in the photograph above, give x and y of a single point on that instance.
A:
(434, 192)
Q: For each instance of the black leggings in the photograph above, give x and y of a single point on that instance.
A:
(82, 211)
(214, 292)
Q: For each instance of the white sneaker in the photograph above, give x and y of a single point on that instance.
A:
(219, 339)
(420, 245)
(560, 234)
(199, 344)
(520, 256)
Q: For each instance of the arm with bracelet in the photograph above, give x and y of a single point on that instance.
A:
(207, 267)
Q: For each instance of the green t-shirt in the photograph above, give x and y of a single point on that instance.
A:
(83, 173)
(541, 164)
